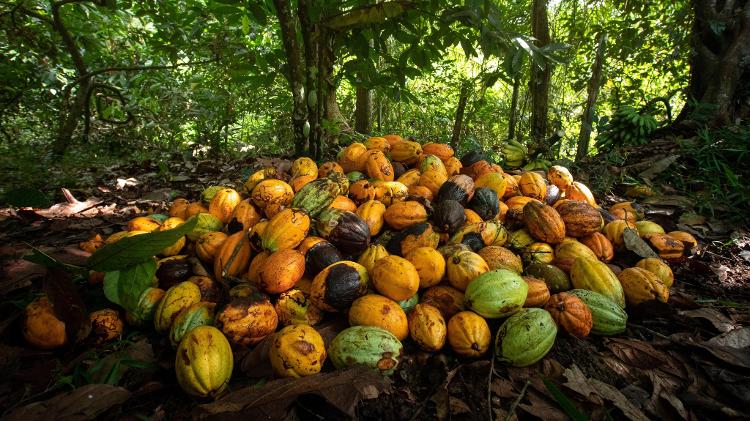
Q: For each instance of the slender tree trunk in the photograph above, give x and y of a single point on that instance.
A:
(720, 69)
(593, 92)
(459, 121)
(513, 107)
(69, 114)
(310, 39)
(363, 111)
(328, 87)
(296, 74)
(379, 117)
(540, 79)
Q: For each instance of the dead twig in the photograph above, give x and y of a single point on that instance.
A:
(489, 388)
(517, 401)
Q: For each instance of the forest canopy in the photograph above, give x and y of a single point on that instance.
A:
(101, 80)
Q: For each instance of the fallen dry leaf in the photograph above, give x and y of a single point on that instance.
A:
(619, 367)
(735, 385)
(578, 383)
(17, 274)
(457, 406)
(669, 200)
(619, 400)
(665, 390)
(692, 218)
(736, 338)
(739, 357)
(255, 364)
(636, 353)
(659, 166)
(85, 403)
(695, 400)
(721, 322)
(503, 388)
(68, 305)
(65, 209)
(343, 389)
(121, 183)
(542, 408)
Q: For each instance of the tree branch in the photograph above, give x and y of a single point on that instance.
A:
(140, 68)
(118, 95)
(67, 39)
(366, 15)
(34, 14)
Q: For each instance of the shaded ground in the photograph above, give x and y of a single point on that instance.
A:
(688, 359)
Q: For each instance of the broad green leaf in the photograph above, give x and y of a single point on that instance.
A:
(124, 287)
(137, 249)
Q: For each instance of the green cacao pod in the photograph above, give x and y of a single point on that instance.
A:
(526, 337)
(178, 297)
(609, 318)
(206, 223)
(370, 346)
(208, 194)
(204, 362)
(594, 275)
(555, 278)
(198, 314)
(497, 293)
(316, 196)
(146, 307)
(408, 304)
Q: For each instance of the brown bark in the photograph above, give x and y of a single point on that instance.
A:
(593, 92)
(719, 67)
(71, 113)
(328, 87)
(540, 78)
(311, 38)
(458, 122)
(514, 107)
(363, 111)
(296, 74)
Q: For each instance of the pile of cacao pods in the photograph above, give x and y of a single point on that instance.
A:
(403, 240)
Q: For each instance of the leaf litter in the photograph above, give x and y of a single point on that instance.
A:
(686, 359)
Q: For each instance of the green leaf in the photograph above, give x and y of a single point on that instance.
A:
(39, 257)
(245, 24)
(124, 287)
(634, 243)
(137, 249)
(562, 400)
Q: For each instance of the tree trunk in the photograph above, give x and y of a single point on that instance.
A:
(540, 79)
(363, 112)
(69, 118)
(296, 74)
(311, 38)
(69, 115)
(593, 92)
(328, 88)
(513, 107)
(458, 123)
(720, 70)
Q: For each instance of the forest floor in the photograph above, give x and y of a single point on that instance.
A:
(686, 359)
